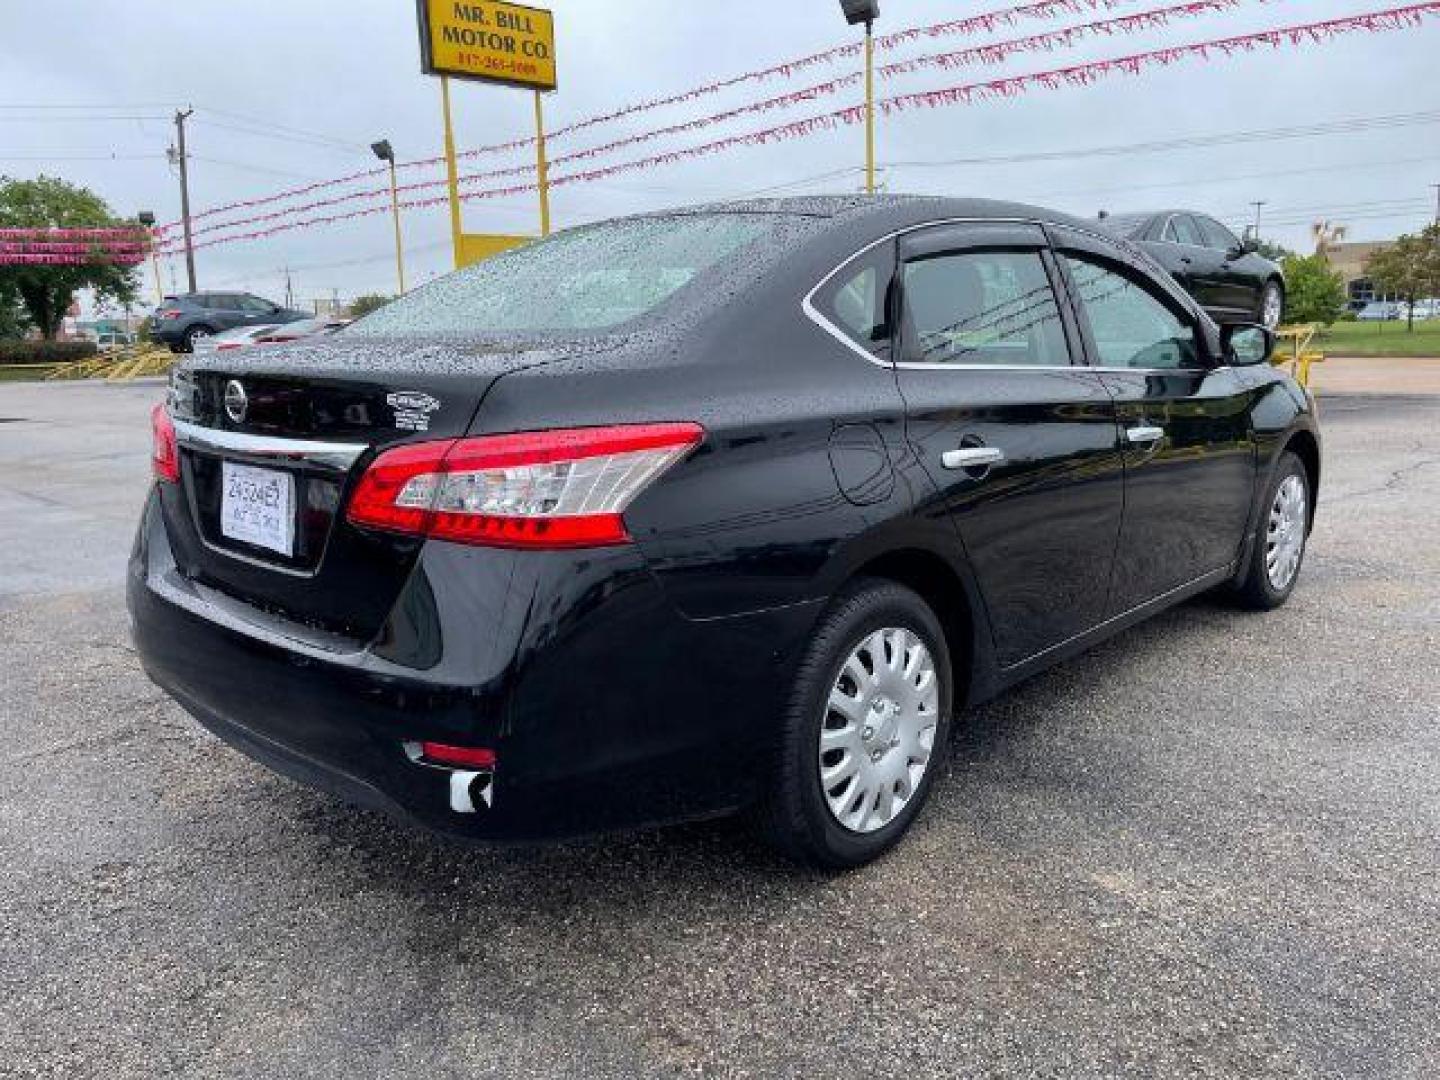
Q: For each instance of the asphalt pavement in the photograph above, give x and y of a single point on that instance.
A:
(1210, 847)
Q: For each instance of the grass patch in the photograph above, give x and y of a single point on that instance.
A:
(1381, 339)
(24, 372)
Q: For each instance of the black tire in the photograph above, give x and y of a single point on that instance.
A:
(794, 816)
(1256, 590)
(187, 340)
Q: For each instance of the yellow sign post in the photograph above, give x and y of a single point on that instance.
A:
(489, 41)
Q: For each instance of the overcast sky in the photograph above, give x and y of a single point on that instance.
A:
(288, 92)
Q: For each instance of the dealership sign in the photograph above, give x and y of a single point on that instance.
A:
(489, 41)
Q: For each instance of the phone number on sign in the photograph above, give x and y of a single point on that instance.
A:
(495, 63)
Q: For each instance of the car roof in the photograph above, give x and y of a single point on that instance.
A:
(859, 207)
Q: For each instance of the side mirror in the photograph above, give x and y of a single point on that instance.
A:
(1247, 344)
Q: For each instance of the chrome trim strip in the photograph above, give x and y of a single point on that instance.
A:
(1213, 577)
(807, 305)
(333, 455)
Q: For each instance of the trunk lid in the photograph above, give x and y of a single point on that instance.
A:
(310, 417)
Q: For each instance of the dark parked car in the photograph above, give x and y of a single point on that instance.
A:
(1230, 279)
(729, 509)
(180, 321)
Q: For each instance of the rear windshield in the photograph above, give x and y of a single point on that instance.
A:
(589, 278)
(1125, 224)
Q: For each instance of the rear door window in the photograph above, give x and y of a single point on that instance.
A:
(993, 308)
(1183, 230)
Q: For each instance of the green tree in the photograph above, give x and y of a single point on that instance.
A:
(13, 320)
(364, 305)
(1410, 267)
(46, 292)
(1314, 293)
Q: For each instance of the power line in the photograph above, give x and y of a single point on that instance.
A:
(278, 134)
(248, 167)
(1334, 127)
(287, 129)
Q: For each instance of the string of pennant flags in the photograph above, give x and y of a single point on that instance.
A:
(989, 54)
(987, 22)
(1407, 16)
(72, 246)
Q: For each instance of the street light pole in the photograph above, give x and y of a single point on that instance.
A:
(1437, 203)
(866, 11)
(180, 118)
(386, 153)
(1258, 204)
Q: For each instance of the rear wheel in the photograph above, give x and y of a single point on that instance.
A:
(192, 335)
(864, 729)
(1280, 548)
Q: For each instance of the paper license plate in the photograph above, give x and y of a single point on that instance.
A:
(258, 507)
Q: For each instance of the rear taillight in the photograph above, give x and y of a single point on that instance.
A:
(542, 489)
(164, 456)
(171, 313)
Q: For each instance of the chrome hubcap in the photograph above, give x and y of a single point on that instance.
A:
(879, 729)
(1285, 537)
(1274, 307)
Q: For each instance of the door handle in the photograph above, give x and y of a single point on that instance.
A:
(1144, 436)
(972, 457)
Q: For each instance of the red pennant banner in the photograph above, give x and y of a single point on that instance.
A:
(987, 22)
(983, 55)
(1406, 17)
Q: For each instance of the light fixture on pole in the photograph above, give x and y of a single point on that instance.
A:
(866, 11)
(385, 152)
(147, 222)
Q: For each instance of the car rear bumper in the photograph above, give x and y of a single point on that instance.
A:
(606, 707)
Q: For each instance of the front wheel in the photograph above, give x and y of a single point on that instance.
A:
(1272, 305)
(1280, 548)
(864, 730)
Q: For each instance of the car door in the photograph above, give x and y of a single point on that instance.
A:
(1200, 264)
(1239, 282)
(253, 310)
(1184, 419)
(224, 311)
(1017, 436)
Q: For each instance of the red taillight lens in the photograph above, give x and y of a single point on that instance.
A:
(460, 757)
(172, 313)
(541, 489)
(164, 455)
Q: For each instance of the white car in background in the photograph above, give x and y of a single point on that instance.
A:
(1379, 311)
(242, 337)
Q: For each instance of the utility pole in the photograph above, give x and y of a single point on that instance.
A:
(180, 118)
(1257, 204)
(1437, 203)
(289, 291)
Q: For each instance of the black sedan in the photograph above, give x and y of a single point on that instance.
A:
(730, 509)
(1226, 274)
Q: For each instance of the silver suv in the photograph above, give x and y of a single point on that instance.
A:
(180, 321)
